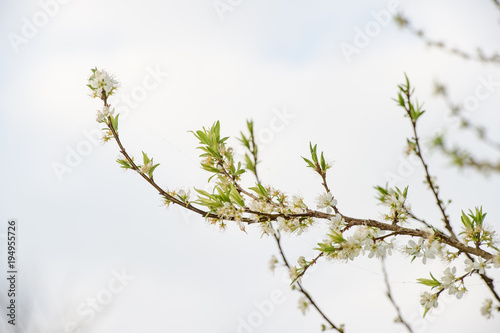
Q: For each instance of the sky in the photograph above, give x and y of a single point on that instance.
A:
(97, 249)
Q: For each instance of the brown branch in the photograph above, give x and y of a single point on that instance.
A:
(443, 238)
(265, 217)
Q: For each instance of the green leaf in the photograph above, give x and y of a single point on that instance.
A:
(263, 190)
(327, 248)
(314, 155)
(145, 158)
(382, 193)
(429, 282)
(468, 224)
(114, 122)
(216, 129)
(336, 237)
(401, 100)
(310, 164)
(250, 126)
(479, 216)
(236, 197)
(245, 140)
(260, 190)
(249, 163)
(203, 138)
(153, 169)
(124, 163)
(202, 192)
(323, 163)
(210, 168)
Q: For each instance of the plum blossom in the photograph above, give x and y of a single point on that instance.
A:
(104, 114)
(303, 304)
(420, 249)
(428, 300)
(486, 308)
(448, 282)
(480, 264)
(302, 261)
(272, 263)
(147, 167)
(337, 221)
(294, 274)
(101, 82)
(327, 201)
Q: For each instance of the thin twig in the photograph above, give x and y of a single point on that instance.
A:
(389, 295)
(418, 152)
(494, 58)
(301, 288)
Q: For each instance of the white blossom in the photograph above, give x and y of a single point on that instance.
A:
(294, 274)
(480, 264)
(326, 200)
(496, 260)
(426, 251)
(448, 281)
(147, 167)
(101, 81)
(337, 221)
(350, 250)
(265, 226)
(229, 211)
(449, 277)
(298, 206)
(303, 304)
(487, 308)
(272, 263)
(379, 249)
(183, 194)
(428, 300)
(457, 291)
(302, 261)
(105, 113)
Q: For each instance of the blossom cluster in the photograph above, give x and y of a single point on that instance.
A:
(363, 240)
(475, 230)
(272, 263)
(454, 285)
(273, 201)
(395, 199)
(102, 84)
(326, 201)
(422, 249)
(103, 114)
(303, 304)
